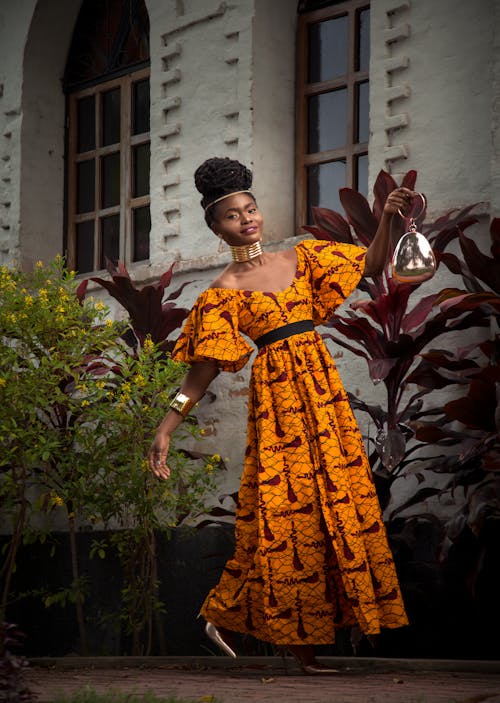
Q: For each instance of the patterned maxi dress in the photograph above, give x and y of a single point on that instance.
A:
(311, 549)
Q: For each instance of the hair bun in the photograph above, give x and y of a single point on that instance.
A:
(218, 176)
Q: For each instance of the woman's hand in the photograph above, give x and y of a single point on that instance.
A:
(399, 199)
(377, 252)
(157, 456)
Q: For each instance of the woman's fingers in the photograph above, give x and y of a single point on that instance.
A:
(158, 464)
(399, 199)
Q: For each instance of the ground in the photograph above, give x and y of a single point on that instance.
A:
(265, 680)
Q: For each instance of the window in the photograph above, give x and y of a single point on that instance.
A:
(108, 155)
(332, 103)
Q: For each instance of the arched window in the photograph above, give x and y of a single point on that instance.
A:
(108, 147)
(333, 51)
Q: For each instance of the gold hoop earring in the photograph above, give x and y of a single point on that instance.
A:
(220, 247)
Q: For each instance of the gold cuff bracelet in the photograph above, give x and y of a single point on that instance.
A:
(182, 404)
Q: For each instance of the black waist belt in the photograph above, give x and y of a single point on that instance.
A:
(284, 332)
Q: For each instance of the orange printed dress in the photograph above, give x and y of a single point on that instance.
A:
(311, 550)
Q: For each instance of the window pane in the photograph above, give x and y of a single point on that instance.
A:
(142, 227)
(140, 109)
(141, 170)
(110, 240)
(323, 183)
(111, 117)
(363, 90)
(110, 180)
(85, 247)
(328, 121)
(85, 138)
(363, 62)
(328, 49)
(362, 174)
(85, 180)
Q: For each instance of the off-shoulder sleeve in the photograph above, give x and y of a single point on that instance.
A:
(210, 332)
(335, 269)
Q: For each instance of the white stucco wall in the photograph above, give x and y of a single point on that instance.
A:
(14, 24)
(430, 96)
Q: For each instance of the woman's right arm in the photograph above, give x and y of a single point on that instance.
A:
(194, 385)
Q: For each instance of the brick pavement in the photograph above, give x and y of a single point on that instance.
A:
(262, 680)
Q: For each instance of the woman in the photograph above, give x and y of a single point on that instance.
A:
(311, 550)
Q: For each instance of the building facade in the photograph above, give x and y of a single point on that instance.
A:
(107, 108)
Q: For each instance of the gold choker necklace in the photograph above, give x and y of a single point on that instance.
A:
(246, 252)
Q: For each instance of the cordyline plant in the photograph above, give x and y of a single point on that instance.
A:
(468, 427)
(386, 329)
(395, 340)
(150, 315)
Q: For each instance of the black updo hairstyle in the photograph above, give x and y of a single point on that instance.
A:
(217, 177)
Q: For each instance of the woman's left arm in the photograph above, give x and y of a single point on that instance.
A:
(377, 252)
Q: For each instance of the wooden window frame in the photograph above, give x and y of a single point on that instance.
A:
(350, 80)
(128, 203)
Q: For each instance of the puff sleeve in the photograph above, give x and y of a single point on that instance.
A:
(335, 269)
(210, 332)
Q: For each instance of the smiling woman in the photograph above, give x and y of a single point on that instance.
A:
(311, 549)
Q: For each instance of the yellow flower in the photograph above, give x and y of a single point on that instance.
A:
(39, 264)
(209, 468)
(85, 403)
(217, 458)
(139, 380)
(28, 301)
(58, 500)
(99, 305)
(109, 322)
(100, 384)
(148, 346)
(2, 381)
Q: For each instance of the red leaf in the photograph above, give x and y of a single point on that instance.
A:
(409, 180)
(379, 369)
(166, 277)
(495, 237)
(317, 233)
(477, 409)
(176, 293)
(82, 289)
(483, 267)
(384, 184)
(427, 377)
(333, 223)
(419, 313)
(359, 214)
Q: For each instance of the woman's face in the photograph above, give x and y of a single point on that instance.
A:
(238, 220)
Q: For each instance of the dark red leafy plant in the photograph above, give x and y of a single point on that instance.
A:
(385, 329)
(150, 314)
